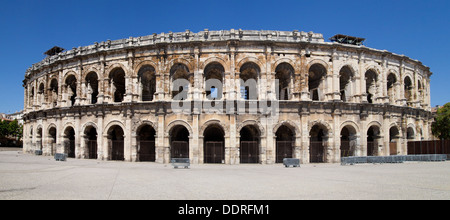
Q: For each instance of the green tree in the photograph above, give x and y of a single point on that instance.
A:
(441, 125)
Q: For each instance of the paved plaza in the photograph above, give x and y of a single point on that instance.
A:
(25, 176)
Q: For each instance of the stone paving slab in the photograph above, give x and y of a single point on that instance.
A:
(24, 176)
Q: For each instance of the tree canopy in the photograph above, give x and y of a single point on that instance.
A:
(441, 124)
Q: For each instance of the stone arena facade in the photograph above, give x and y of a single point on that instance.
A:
(273, 94)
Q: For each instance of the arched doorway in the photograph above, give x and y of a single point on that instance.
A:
(391, 82)
(284, 74)
(214, 74)
(52, 140)
(394, 138)
(317, 144)
(285, 142)
(39, 139)
(373, 136)
(116, 142)
(248, 75)
(179, 142)
(181, 79)
(214, 144)
(371, 85)
(90, 138)
(146, 144)
(348, 141)
(316, 76)
(249, 144)
(71, 89)
(69, 142)
(147, 79)
(92, 87)
(346, 78)
(117, 84)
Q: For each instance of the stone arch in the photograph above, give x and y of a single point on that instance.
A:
(147, 84)
(87, 124)
(288, 123)
(346, 79)
(352, 124)
(322, 123)
(90, 70)
(285, 60)
(145, 63)
(254, 60)
(113, 67)
(138, 126)
(255, 123)
(176, 122)
(210, 60)
(210, 122)
(181, 60)
(349, 138)
(69, 135)
(212, 73)
(317, 72)
(69, 73)
(285, 74)
(318, 61)
(113, 123)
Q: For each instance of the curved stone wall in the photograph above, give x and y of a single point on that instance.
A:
(229, 97)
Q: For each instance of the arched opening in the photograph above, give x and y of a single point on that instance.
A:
(41, 93)
(53, 92)
(117, 84)
(214, 73)
(345, 83)
(116, 142)
(31, 99)
(90, 138)
(248, 76)
(348, 141)
(394, 138)
(214, 144)
(371, 85)
(92, 87)
(410, 134)
(71, 88)
(146, 144)
(52, 140)
(147, 79)
(285, 142)
(373, 137)
(179, 142)
(69, 142)
(408, 87)
(39, 138)
(181, 81)
(249, 144)
(317, 143)
(284, 74)
(391, 80)
(316, 76)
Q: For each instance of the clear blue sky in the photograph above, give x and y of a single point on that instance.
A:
(417, 29)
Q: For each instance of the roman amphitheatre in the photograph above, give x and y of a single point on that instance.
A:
(230, 97)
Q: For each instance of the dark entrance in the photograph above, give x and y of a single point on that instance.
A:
(372, 137)
(116, 138)
(214, 150)
(179, 142)
(146, 147)
(249, 145)
(394, 138)
(91, 133)
(285, 143)
(316, 146)
(348, 141)
(69, 142)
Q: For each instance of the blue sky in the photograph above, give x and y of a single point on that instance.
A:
(417, 29)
